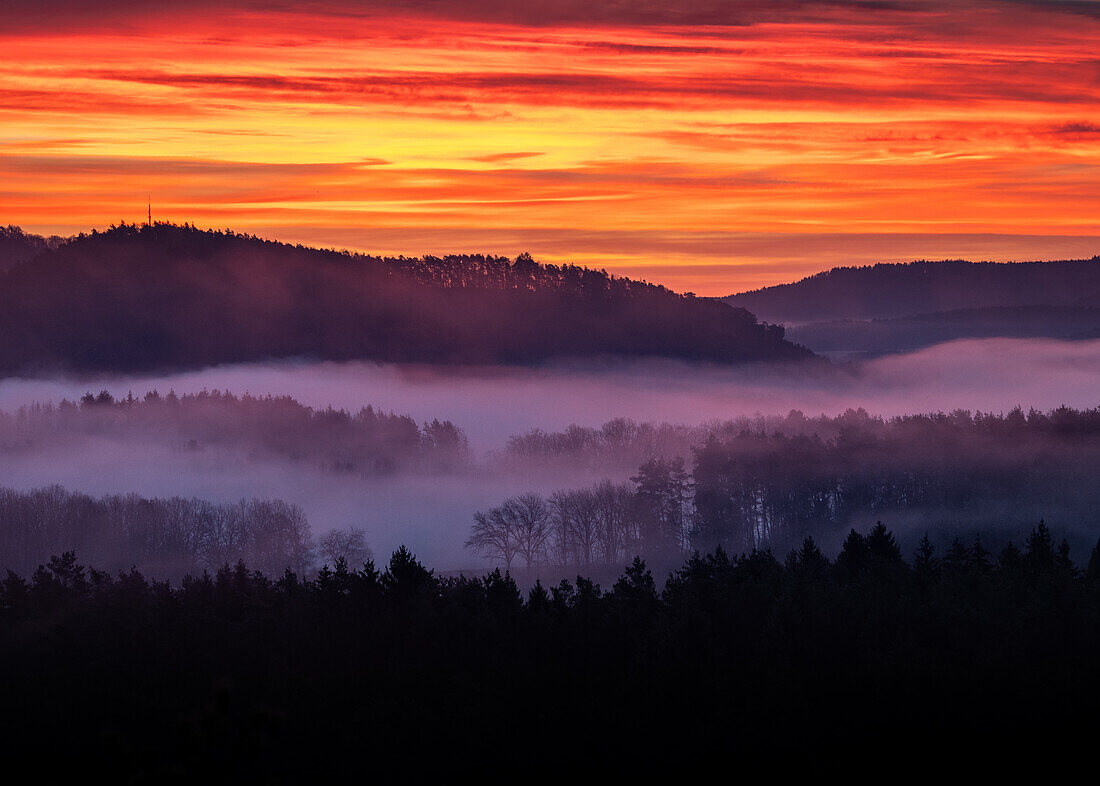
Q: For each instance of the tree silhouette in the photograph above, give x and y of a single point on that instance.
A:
(531, 517)
(218, 670)
(493, 535)
(349, 545)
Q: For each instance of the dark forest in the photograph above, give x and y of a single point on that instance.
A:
(770, 482)
(404, 673)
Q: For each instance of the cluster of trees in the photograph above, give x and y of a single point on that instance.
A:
(620, 443)
(993, 471)
(170, 296)
(237, 674)
(773, 480)
(885, 291)
(17, 246)
(368, 441)
(624, 440)
(167, 537)
(602, 525)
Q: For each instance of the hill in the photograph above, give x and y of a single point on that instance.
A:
(166, 296)
(869, 338)
(892, 291)
(880, 309)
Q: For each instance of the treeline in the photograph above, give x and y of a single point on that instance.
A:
(240, 674)
(761, 482)
(17, 246)
(166, 537)
(886, 291)
(622, 441)
(602, 525)
(168, 296)
(369, 441)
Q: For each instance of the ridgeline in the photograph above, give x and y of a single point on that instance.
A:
(161, 296)
(886, 308)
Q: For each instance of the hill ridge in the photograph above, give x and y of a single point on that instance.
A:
(154, 296)
(896, 290)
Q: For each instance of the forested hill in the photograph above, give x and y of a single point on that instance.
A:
(888, 291)
(166, 296)
(18, 246)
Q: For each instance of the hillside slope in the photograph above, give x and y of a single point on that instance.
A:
(164, 296)
(892, 291)
(861, 312)
(870, 338)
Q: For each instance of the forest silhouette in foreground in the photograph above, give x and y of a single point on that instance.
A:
(398, 671)
(163, 296)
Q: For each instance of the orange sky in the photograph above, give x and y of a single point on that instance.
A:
(711, 146)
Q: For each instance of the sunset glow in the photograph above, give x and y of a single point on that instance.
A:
(712, 147)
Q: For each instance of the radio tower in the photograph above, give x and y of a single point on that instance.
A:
(149, 219)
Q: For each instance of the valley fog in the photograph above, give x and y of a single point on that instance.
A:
(430, 510)
(491, 404)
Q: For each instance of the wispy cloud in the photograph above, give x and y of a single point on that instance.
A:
(496, 158)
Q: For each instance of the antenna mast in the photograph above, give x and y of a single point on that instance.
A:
(149, 221)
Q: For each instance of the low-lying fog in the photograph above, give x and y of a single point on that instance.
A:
(432, 512)
(494, 403)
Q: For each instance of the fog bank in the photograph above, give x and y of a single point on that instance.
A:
(494, 403)
(431, 512)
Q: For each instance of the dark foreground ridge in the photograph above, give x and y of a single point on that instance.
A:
(163, 296)
(861, 663)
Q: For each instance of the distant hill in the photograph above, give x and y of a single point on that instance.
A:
(166, 296)
(868, 338)
(891, 291)
(868, 311)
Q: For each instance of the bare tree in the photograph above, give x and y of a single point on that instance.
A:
(348, 544)
(279, 536)
(222, 533)
(561, 511)
(616, 528)
(531, 517)
(521, 526)
(585, 524)
(493, 535)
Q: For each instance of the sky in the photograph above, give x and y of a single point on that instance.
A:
(709, 146)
